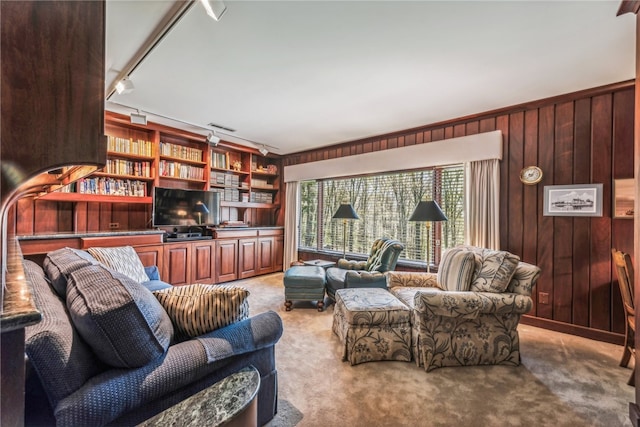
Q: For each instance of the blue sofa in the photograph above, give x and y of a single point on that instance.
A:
(68, 385)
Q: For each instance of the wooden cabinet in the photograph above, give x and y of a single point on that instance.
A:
(203, 262)
(52, 105)
(151, 255)
(247, 258)
(278, 253)
(176, 267)
(226, 260)
(266, 253)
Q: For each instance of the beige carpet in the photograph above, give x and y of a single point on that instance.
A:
(563, 380)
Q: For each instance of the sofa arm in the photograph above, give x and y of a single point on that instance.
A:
(467, 304)
(109, 395)
(412, 279)
(260, 331)
(365, 279)
(346, 264)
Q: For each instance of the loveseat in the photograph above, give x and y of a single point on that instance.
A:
(468, 313)
(76, 379)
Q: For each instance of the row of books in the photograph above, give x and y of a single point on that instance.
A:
(256, 182)
(219, 160)
(228, 194)
(111, 187)
(221, 178)
(139, 147)
(128, 167)
(260, 197)
(180, 151)
(180, 170)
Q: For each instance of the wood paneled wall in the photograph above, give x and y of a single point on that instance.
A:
(578, 138)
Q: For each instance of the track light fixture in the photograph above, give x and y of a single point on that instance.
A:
(124, 86)
(263, 150)
(138, 118)
(214, 8)
(213, 139)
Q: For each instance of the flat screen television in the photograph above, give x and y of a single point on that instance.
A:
(178, 207)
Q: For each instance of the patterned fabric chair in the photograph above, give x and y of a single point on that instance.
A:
(365, 274)
(468, 313)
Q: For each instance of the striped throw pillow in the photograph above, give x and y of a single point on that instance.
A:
(197, 309)
(456, 269)
(123, 259)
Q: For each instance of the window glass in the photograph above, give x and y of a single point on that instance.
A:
(384, 204)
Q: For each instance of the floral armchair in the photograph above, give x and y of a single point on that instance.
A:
(467, 313)
(365, 274)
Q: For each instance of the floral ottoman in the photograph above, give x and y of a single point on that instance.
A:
(372, 325)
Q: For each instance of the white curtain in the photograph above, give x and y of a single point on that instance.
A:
(291, 223)
(482, 219)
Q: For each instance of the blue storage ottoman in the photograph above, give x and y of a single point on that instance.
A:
(304, 283)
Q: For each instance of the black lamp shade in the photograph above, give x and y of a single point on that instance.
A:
(345, 211)
(201, 208)
(427, 211)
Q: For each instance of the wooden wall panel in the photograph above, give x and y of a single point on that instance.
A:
(585, 137)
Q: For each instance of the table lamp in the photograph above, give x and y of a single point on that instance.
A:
(200, 208)
(345, 212)
(428, 211)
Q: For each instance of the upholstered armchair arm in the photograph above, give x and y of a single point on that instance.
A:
(365, 279)
(346, 264)
(412, 279)
(435, 302)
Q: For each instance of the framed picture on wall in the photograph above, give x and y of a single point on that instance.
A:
(623, 198)
(573, 200)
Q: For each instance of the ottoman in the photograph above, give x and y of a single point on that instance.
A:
(372, 324)
(304, 283)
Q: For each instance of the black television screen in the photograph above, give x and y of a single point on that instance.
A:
(179, 207)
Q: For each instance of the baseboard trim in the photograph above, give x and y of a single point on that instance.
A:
(581, 331)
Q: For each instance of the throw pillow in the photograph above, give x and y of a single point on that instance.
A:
(494, 270)
(123, 259)
(456, 269)
(118, 317)
(197, 309)
(60, 263)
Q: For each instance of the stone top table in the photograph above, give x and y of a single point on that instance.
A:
(231, 401)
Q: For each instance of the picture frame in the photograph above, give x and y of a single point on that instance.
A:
(573, 200)
(623, 198)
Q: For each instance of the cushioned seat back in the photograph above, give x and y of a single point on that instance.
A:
(524, 279)
(384, 255)
(63, 361)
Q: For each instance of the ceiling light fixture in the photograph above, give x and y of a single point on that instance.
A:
(263, 150)
(213, 139)
(124, 86)
(214, 8)
(138, 118)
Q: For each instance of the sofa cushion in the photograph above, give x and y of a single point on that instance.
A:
(120, 319)
(494, 270)
(56, 351)
(60, 263)
(456, 269)
(123, 259)
(197, 309)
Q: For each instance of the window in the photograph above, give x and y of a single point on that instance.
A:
(384, 204)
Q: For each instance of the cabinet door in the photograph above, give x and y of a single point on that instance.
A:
(151, 255)
(226, 260)
(265, 255)
(247, 257)
(203, 256)
(278, 253)
(176, 266)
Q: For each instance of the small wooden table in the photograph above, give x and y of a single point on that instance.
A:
(230, 402)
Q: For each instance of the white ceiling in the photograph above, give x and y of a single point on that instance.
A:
(296, 75)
